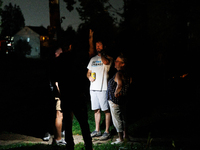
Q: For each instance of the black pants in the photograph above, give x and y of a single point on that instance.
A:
(79, 109)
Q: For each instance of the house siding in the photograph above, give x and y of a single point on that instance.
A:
(33, 38)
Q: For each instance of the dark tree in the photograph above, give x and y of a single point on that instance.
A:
(22, 48)
(12, 20)
(68, 37)
(1, 6)
(96, 16)
(70, 4)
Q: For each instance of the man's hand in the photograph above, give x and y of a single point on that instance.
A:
(57, 98)
(89, 76)
(91, 34)
(91, 79)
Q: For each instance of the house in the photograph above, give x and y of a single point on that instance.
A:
(37, 37)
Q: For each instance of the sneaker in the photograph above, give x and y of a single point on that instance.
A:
(105, 136)
(63, 134)
(117, 142)
(96, 133)
(59, 142)
(125, 140)
(47, 136)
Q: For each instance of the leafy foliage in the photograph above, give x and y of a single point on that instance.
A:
(95, 15)
(91, 8)
(22, 48)
(1, 6)
(70, 4)
(12, 20)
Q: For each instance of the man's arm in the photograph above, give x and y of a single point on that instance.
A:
(56, 83)
(91, 46)
(89, 76)
(58, 89)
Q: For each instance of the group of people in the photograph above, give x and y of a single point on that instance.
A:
(107, 95)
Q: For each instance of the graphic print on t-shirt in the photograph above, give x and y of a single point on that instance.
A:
(96, 66)
(97, 63)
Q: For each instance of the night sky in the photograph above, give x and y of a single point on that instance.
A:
(36, 12)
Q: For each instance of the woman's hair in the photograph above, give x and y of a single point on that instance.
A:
(127, 65)
(124, 59)
(127, 68)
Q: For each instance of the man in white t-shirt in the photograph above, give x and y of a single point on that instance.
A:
(100, 65)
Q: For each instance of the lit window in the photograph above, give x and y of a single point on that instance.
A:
(28, 39)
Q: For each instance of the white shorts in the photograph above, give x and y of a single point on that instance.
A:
(58, 103)
(98, 100)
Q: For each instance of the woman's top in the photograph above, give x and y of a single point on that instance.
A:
(124, 91)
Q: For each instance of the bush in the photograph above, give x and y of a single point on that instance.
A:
(22, 48)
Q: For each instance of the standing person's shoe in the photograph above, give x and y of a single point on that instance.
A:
(63, 134)
(105, 136)
(95, 133)
(117, 142)
(59, 142)
(47, 136)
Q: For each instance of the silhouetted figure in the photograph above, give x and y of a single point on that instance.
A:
(70, 89)
(71, 75)
(56, 94)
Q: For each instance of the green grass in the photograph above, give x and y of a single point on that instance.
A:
(77, 130)
(76, 127)
(79, 146)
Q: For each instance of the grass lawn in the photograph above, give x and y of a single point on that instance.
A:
(80, 146)
(76, 127)
(144, 123)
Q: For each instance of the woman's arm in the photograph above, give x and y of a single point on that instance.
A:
(106, 59)
(118, 79)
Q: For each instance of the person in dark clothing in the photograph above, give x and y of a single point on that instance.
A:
(69, 84)
(53, 82)
(71, 75)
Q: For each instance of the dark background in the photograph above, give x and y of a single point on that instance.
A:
(165, 108)
(161, 40)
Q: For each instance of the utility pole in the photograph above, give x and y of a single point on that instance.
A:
(55, 25)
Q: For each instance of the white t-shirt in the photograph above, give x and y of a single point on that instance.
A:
(96, 65)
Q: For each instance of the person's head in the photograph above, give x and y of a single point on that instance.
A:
(120, 62)
(58, 52)
(99, 46)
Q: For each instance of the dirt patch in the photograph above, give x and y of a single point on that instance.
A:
(12, 138)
